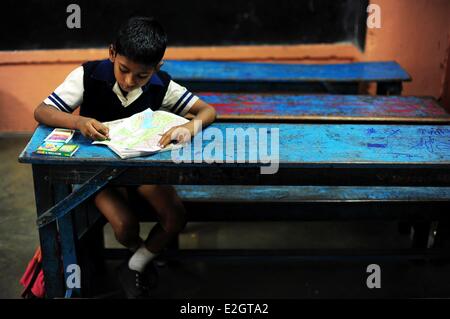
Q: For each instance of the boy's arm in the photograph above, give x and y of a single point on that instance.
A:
(89, 127)
(202, 112)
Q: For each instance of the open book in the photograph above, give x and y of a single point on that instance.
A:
(138, 135)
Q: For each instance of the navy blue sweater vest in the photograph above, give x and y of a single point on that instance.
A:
(102, 104)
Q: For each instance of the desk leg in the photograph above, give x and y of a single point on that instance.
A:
(68, 238)
(421, 234)
(48, 235)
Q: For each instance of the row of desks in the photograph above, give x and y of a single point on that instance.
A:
(325, 155)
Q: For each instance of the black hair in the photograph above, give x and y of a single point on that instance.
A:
(142, 40)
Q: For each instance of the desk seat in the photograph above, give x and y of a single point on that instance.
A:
(275, 203)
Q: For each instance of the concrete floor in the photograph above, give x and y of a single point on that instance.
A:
(231, 278)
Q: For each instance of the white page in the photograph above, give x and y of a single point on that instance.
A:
(140, 133)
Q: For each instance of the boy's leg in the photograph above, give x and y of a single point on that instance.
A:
(171, 213)
(112, 203)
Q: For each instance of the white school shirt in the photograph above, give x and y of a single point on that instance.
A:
(69, 95)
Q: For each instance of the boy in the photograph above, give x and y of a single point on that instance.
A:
(128, 83)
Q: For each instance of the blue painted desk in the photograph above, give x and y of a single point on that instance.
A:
(325, 108)
(344, 146)
(310, 155)
(262, 77)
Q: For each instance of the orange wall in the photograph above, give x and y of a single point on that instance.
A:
(446, 93)
(417, 35)
(414, 33)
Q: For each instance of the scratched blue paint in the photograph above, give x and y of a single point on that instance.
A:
(300, 145)
(376, 145)
(310, 193)
(266, 72)
(354, 106)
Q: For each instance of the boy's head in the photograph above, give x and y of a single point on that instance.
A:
(137, 52)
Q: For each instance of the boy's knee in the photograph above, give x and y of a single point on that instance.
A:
(101, 197)
(157, 192)
(109, 194)
(126, 231)
(168, 204)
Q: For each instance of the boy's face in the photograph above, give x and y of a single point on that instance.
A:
(129, 74)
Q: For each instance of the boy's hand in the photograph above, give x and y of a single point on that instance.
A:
(93, 129)
(181, 134)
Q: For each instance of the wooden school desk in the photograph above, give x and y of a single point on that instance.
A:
(342, 78)
(383, 156)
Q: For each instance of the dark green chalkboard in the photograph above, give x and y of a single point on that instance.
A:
(41, 24)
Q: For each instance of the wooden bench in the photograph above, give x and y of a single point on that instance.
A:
(344, 78)
(400, 172)
(268, 107)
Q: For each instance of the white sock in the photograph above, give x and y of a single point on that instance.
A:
(140, 259)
